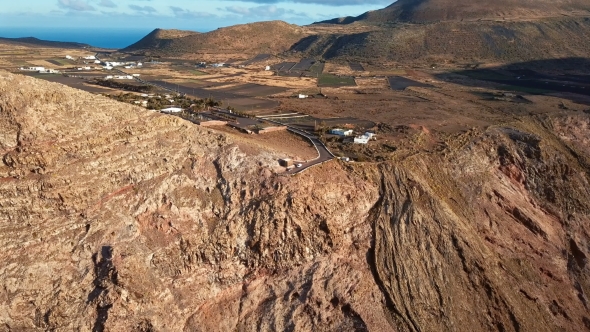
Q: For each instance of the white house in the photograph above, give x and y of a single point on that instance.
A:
(33, 68)
(90, 57)
(109, 77)
(136, 75)
(303, 96)
(139, 64)
(49, 71)
(69, 57)
(341, 132)
(107, 67)
(96, 61)
(365, 138)
(361, 139)
(171, 110)
(267, 68)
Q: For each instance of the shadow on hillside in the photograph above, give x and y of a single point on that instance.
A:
(569, 76)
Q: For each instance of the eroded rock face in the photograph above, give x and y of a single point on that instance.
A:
(495, 237)
(116, 218)
(113, 218)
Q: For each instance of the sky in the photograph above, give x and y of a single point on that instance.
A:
(197, 15)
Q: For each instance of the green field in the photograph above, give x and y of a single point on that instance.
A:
(317, 68)
(63, 62)
(329, 80)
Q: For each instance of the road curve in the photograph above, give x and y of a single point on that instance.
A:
(324, 154)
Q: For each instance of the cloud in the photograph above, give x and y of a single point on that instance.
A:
(269, 11)
(107, 3)
(260, 11)
(143, 9)
(188, 14)
(336, 3)
(76, 5)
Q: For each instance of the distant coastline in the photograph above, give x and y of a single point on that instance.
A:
(103, 38)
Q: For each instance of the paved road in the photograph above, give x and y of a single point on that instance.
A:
(324, 154)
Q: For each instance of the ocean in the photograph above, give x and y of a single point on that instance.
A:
(99, 37)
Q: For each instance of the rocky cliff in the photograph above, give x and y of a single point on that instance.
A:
(113, 218)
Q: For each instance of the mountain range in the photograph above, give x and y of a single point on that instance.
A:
(408, 30)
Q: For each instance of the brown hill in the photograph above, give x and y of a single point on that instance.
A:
(420, 11)
(35, 42)
(160, 38)
(114, 218)
(456, 41)
(254, 38)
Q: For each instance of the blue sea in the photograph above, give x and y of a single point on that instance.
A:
(104, 38)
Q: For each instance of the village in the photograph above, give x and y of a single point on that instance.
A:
(196, 91)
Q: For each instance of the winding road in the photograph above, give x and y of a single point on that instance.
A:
(324, 154)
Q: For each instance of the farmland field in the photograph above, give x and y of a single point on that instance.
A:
(329, 80)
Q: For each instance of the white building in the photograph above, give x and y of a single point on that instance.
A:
(361, 139)
(341, 132)
(136, 75)
(32, 68)
(171, 110)
(49, 71)
(123, 77)
(109, 77)
(96, 61)
(69, 57)
(365, 138)
(107, 67)
(267, 68)
(90, 57)
(303, 96)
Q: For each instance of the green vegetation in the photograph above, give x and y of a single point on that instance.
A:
(123, 86)
(157, 102)
(317, 68)
(329, 80)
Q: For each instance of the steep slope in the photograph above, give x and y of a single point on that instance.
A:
(456, 41)
(465, 31)
(117, 218)
(114, 218)
(254, 38)
(422, 11)
(160, 38)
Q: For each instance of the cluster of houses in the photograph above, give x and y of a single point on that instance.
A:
(360, 139)
(108, 65)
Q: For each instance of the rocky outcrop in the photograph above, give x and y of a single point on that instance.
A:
(113, 218)
(487, 239)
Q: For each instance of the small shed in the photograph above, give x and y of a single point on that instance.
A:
(286, 162)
